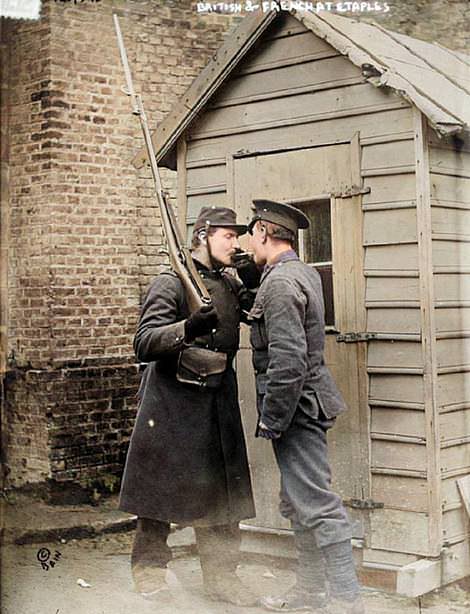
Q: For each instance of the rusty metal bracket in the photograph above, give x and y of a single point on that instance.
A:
(364, 504)
(355, 337)
(352, 191)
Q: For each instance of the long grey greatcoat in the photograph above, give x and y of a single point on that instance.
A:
(288, 338)
(187, 458)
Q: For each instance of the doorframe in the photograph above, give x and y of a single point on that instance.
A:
(360, 282)
(246, 153)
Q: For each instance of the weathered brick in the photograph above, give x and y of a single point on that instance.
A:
(84, 224)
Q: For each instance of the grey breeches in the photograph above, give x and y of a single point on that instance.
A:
(306, 496)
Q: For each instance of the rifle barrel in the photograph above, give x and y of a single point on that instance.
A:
(180, 257)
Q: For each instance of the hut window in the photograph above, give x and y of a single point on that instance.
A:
(314, 248)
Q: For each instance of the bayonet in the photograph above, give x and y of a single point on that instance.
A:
(180, 257)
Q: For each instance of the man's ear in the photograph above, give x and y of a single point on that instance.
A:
(264, 233)
(202, 237)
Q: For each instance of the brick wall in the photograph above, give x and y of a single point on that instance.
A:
(80, 225)
(74, 422)
(29, 241)
(84, 227)
(25, 406)
(446, 22)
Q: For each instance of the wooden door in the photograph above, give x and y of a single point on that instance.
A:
(319, 181)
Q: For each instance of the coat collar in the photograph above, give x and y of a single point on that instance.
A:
(284, 257)
(205, 271)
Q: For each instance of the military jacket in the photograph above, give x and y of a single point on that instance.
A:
(288, 337)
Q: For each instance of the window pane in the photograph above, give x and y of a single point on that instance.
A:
(316, 250)
(326, 274)
(317, 240)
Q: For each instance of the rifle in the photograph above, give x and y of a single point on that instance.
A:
(180, 257)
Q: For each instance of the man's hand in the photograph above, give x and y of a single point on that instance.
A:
(266, 433)
(201, 322)
(247, 269)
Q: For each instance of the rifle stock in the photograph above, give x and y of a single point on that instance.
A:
(180, 257)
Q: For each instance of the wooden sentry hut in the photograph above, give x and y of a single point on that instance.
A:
(366, 130)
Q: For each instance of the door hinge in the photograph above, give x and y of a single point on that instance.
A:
(352, 191)
(363, 504)
(355, 337)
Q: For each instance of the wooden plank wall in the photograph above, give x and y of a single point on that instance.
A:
(296, 91)
(450, 200)
(399, 471)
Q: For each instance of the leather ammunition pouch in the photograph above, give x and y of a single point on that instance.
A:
(201, 367)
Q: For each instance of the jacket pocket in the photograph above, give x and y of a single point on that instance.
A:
(310, 404)
(313, 406)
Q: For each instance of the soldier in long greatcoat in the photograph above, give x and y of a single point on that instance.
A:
(187, 461)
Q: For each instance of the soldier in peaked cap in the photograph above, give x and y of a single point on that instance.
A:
(298, 402)
(187, 459)
(282, 215)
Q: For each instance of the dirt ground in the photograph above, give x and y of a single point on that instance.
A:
(103, 563)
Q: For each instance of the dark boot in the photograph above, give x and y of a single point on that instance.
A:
(219, 552)
(150, 555)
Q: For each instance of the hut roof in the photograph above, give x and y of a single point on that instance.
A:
(433, 78)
